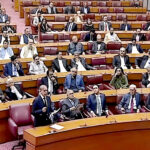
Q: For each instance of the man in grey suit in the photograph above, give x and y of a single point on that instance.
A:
(71, 106)
(105, 25)
(51, 9)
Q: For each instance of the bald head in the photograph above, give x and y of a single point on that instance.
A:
(74, 39)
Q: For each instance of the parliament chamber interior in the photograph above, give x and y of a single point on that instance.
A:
(74, 75)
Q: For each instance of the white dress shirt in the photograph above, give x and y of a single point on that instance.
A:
(98, 46)
(85, 10)
(50, 86)
(7, 56)
(148, 77)
(14, 90)
(134, 103)
(80, 66)
(123, 63)
(70, 26)
(134, 50)
(126, 28)
(147, 65)
(99, 105)
(62, 69)
(137, 38)
(14, 71)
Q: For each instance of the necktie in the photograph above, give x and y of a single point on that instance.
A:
(52, 11)
(15, 71)
(70, 27)
(132, 105)
(105, 26)
(99, 107)
(45, 101)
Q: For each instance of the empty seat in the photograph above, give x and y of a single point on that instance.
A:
(116, 4)
(103, 10)
(102, 4)
(91, 16)
(47, 37)
(121, 17)
(60, 18)
(118, 10)
(27, 3)
(75, 3)
(63, 37)
(44, 2)
(50, 50)
(114, 46)
(147, 36)
(60, 4)
(141, 18)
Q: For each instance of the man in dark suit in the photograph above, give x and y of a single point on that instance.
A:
(14, 68)
(96, 103)
(90, 36)
(131, 102)
(74, 81)
(98, 46)
(3, 16)
(2, 96)
(60, 64)
(80, 63)
(8, 28)
(70, 10)
(134, 48)
(71, 106)
(51, 82)
(138, 36)
(147, 27)
(51, 9)
(146, 78)
(148, 101)
(71, 26)
(125, 26)
(43, 108)
(105, 25)
(85, 9)
(122, 60)
(143, 62)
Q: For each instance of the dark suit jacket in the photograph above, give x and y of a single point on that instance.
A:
(87, 37)
(95, 47)
(147, 26)
(101, 25)
(82, 10)
(141, 37)
(122, 27)
(44, 81)
(5, 28)
(148, 102)
(55, 64)
(74, 27)
(8, 70)
(67, 11)
(42, 118)
(92, 104)
(117, 61)
(83, 62)
(129, 48)
(1, 18)
(145, 80)
(141, 61)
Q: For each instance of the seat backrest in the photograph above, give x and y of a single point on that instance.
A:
(102, 4)
(46, 36)
(113, 51)
(99, 61)
(119, 98)
(103, 10)
(27, 3)
(114, 46)
(116, 4)
(118, 10)
(147, 37)
(60, 18)
(44, 2)
(141, 18)
(50, 50)
(20, 114)
(60, 36)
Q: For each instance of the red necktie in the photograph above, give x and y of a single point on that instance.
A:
(105, 26)
(132, 105)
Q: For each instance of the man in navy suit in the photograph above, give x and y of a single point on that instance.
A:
(14, 68)
(125, 26)
(74, 81)
(43, 109)
(131, 102)
(146, 78)
(96, 103)
(85, 9)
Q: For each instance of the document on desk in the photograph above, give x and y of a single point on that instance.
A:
(56, 126)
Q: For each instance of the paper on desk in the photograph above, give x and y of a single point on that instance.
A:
(56, 126)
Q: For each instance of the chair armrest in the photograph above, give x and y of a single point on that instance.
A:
(107, 87)
(29, 95)
(88, 88)
(109, 112)
(145, 108)
(13, 127)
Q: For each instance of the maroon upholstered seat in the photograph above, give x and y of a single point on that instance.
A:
(118, 10)
(114, 46)
(116, 4)
(60, 4)
(121, 17)
(45, 38)
(44, 2)
(50, 50)
(103, 10)
(147, 37)
(60, 18)
(27, 3)
(102, 4)
(141, 18)
(75, 3)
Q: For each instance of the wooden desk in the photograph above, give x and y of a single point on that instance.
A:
(117, 132)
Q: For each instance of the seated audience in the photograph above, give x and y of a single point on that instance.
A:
(96, 103)
(60, 64)
(74, 81)
(51, 9)
(147, 27)
(37, 10)
(26, 37)
(28, 50)
(8, 28)
(44, 26)
(51, 82)
(88, 25)
(4, 37)
(138, 36)
(111, 37)
(70, 10)
(105, 25)
(2, 96)
(148, 100)
(71, 106)
(134, 48)
(80, 63)
(37, 19)
(143, 62)
(146, 78)
(98, 46)
(78, 17)
(37, 66)
(85, 9)
(131, 102)
(3, 16)
(13, 68)
(75, 46)
(71, 26)
(14, 91)
(6, 52)
(125, 26)
(119, 79)
(90, 36)
(122, 60)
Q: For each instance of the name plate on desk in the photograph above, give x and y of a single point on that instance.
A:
(56, 126)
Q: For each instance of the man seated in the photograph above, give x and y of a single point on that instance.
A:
(37, 66)
(37, 10)
(146, 78)
(71, 26)
(85, 9)
(28, 51)
(3, 16)
(37, 19)
(78, 17)
(98, 46)
(51, 82)
(60, 64)
(96, 103)
(147, 27)
(125, 26)
(80, 63)
(13, 68)
(105, 25)
(14, 91)
(75, 46)
(111, 37)
(4, 37)
(26, 37)
(90, 36)
(71, 106)
(131, 102)
(134, 48)
(51, 9)
(74, 81)
(143, 62)
(6, 52)
(122, 60)
(70, 10)
(8, 28)
(2, 97)
(148, 100)
(138, 36)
